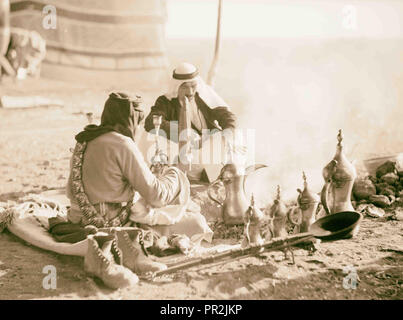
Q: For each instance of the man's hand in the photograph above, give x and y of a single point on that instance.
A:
(159, 162)
(189, 135)
(184, 102)
(184, 116)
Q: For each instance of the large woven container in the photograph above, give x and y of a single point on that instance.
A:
(99, 40)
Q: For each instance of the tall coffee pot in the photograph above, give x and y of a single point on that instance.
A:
(339, 175)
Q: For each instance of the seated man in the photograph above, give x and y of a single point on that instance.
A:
(207, 113)
(110, 185)
(207, 109)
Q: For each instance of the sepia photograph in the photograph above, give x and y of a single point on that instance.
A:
(217, 151)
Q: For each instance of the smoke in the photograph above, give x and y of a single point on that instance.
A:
(297, 94)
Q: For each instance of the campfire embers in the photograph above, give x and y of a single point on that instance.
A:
(363, 188)
(374, 193)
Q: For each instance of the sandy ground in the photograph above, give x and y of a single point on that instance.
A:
(34, 148)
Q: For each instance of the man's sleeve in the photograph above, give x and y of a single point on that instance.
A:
(160, 108)
(158, 192)
(226, 119)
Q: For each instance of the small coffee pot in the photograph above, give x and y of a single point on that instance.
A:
(278, 214)
(308, 203)
(339, 175)
(252, 224)
(235, 205)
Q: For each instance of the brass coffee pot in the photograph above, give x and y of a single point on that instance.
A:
(235, 205)
(308, 203)
(339, 176)
(278, 214)
(252, 224)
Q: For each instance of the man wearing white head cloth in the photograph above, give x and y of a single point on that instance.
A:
(206, 111)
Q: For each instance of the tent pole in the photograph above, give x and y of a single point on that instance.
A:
(213, 68)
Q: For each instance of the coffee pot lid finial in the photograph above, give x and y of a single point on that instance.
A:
(339, 148)
(304, 178)
(278, 192)
(343, 165)
(255, 215)
(340, 137)
(306, 196)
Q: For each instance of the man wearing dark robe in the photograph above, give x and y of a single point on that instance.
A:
(196, 118)
(207, 110)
